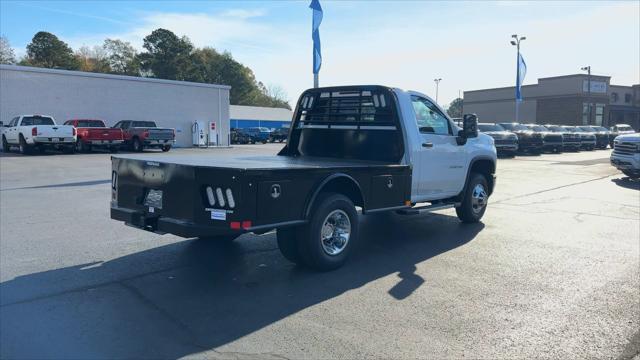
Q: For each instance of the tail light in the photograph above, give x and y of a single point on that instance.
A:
(34, 131)
(145, 133)
(174, 133)
(74, 132)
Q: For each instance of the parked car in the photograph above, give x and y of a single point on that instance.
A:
(93, 133)
(528, 140)
(257, 134)
(378, 158)
(587, 139)
(505, 141)
(139, 135)
(551, 141)
(602, 137)
(626, 154)
(619, 129)
(570, 140)
(38, 132)
(279, 135)
(239, 137)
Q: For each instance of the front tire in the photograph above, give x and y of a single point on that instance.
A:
(166, 148)
(475, 199)
(326, 241)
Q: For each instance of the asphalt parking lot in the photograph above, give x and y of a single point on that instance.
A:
(553, 271)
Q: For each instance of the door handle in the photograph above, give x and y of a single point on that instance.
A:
(427, 145)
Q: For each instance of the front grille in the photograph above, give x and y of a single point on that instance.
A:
(553, 138)
(625, 148)
(505, 141)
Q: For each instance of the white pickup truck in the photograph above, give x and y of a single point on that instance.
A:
(626, 154)
(375, 147)
(38, 132)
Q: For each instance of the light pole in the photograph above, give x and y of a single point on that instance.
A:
(516, 43)
(588, 70)
(437, 81)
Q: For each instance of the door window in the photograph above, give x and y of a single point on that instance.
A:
(429, 119)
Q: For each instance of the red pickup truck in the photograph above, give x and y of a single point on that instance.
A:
(95, 134)
(139, 135)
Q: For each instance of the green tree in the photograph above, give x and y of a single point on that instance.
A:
(46, 50)
(455, 108)
(92, 59)
(167, 56)
(7, 56)
(122, 57)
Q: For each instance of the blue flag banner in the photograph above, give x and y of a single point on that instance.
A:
(315, 35)
(521, 73)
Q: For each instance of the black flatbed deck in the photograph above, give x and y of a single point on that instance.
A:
(273, 162)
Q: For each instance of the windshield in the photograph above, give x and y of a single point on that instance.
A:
(556, 128)
(587, 129)
(538, 128)
(37, 120)
(624, 128)
(573, 129)
(490, 127)
(144, 124)
(514, 127)
(600, 128)
(91, 123)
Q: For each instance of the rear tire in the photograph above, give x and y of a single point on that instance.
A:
(326, 241)
(475, 199)
(25, 149)
(81, 147)
(136, 145)
(5, 144)
(288, 244)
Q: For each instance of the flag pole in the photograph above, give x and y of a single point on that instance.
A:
(315, 80)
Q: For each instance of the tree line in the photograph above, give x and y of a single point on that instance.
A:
(165, 56)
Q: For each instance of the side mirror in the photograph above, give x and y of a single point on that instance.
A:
(469, 128)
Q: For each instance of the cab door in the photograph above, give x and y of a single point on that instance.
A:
(440, 161)
(11, 133)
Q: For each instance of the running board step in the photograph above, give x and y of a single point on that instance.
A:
(428, 208)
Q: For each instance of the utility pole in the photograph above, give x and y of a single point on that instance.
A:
(588, 70)
(437, 81)
(516, 43)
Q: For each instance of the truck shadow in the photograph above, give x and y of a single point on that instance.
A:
(192, 296)
(627, 182)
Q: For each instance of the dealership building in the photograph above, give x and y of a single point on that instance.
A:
(560, 100)
(179, 105)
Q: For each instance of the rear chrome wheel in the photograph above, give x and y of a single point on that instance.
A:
(335, 232)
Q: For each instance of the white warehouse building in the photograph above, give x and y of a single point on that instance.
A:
(81, 95)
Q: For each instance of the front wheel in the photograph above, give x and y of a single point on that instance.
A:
(632, 175)
(166, 148)
(325, 242)
(475, 199)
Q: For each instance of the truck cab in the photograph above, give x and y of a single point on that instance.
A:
(374, 147)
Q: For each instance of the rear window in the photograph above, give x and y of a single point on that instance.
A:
(90, 123)
(346, 107)
(37, 120)
(147, 124)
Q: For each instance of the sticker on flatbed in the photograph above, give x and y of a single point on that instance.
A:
(218, 214)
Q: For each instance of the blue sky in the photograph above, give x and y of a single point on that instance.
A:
(398, 43)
